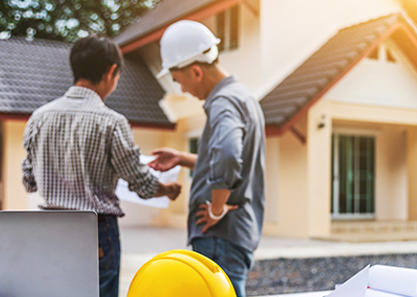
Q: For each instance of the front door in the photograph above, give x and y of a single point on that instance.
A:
(353, 186)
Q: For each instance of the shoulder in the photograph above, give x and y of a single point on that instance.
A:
(234, 95)
(116, 116)
(48, 106)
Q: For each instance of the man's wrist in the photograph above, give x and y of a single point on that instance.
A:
(216, 216)
(180, 156)
(217, 211)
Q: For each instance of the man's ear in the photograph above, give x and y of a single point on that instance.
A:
(197, 72)
(111, 73)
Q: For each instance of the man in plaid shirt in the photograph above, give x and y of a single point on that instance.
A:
(77, 149)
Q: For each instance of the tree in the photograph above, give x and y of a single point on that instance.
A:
(68, 19)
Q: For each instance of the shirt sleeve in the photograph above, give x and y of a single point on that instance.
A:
(225, 145)
(125, 160)
(29, 181)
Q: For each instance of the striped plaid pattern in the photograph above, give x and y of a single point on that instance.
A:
(77, 149)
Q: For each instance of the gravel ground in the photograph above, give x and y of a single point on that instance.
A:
(281, 276)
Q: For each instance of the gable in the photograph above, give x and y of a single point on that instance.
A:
(379, 83)
(293, 97)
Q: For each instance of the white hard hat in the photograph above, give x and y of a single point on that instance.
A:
(185, 42)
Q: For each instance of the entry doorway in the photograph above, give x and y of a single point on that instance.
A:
(353, 176)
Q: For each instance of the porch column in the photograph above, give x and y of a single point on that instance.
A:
(14, 194)
(412, 172)
(319, 170)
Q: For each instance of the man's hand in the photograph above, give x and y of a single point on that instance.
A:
(166, 158)
(172, 190)
(204, 217)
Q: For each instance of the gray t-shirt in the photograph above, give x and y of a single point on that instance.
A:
(231, 155)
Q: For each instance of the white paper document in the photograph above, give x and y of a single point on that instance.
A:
(379, 281)
(122, 190)
(356, 286)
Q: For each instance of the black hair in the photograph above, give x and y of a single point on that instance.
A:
(92, 56)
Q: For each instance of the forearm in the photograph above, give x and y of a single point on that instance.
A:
(172, 190)
(187, 159)
(219, 198)
(29, 181)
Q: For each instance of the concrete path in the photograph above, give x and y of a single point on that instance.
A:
(140, 244)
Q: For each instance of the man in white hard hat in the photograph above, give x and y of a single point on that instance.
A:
(227, 194)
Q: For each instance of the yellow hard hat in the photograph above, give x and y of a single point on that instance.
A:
(181, 273)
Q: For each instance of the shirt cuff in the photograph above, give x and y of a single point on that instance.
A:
(218, 183)
(147, 188)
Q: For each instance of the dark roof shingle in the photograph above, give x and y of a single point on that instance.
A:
(319, 72)
(33, 73)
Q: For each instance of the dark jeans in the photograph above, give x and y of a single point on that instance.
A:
(234, 260)
(109, 255)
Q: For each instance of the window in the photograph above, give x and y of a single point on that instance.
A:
(353, 185)
(382, 53)
(227, 28)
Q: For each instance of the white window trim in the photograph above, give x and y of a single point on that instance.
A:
(194, 133)
(373, 132)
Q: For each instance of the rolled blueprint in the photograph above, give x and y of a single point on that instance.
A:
(394, 280)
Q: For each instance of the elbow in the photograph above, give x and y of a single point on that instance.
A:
(226, 174)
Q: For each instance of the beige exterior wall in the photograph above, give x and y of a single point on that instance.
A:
(411, 143)
(286, 190)
(391, 174)
(14, 194)
(319, 170)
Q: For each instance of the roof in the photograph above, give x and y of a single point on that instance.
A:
(33, 73)
(151, 25)
(319, 73)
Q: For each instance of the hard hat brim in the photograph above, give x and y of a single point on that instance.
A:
(208, 57)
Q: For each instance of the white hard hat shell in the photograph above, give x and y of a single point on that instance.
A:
(185, 42)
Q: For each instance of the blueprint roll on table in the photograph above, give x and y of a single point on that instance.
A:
(394, 280)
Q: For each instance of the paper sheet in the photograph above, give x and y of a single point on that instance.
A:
(396, 280)
(122, 190)
(354, 287)
(379, 281)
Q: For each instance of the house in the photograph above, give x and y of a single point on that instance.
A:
(337, 81)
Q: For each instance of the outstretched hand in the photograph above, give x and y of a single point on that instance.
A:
(166, 158)
(172, 190)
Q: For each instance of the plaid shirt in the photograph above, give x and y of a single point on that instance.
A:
(77, 149)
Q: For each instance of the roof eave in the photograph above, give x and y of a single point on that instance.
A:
(25, 116)
(168, 126)
(198, 15)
